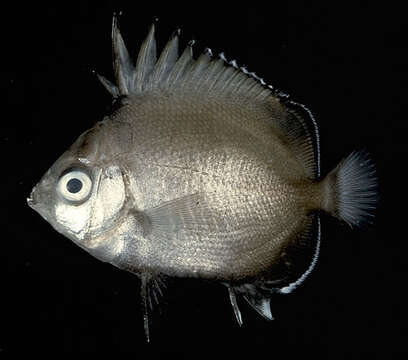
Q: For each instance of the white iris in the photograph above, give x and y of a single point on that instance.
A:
(74, 186)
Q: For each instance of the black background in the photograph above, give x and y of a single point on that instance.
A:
(348, 64)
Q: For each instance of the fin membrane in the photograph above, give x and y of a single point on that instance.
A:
(256, 297)
(301, 255)
(299, 130)
(354, 189)
(297, 260)
(259, 301)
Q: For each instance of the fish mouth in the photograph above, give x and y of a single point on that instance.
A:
(35, 203)
(31, 202)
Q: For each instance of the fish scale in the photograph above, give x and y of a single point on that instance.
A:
(202, 170)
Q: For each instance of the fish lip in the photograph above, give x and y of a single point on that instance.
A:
(39, 209)
(30, 200)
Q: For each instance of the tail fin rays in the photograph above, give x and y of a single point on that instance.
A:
(354, 189)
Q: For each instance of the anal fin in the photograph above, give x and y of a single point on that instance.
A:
(258, 299)
(308, 242)
(299, 130)
(261, 304)
(298, 261)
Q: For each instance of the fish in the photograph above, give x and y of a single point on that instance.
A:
(201, 170)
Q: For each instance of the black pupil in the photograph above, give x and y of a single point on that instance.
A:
(74, 185)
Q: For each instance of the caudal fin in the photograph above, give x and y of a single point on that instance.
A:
(353, 193)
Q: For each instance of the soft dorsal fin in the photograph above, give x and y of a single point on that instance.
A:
(299, 130)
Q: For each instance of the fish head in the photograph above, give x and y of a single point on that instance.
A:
(82, 195)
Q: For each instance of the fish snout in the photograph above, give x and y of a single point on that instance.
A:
(39, 203)
(32, 199)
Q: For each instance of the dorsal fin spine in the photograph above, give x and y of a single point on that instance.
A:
(215, 73)
(179, 72)
(121, 60)
(166, 61)
(145, 62)
(230, 79)
(112, 88)
(219, 85)
(180, 66)
(199, 67)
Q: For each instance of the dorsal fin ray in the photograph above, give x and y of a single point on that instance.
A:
(299, 129)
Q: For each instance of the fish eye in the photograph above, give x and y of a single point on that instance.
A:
(74, 185)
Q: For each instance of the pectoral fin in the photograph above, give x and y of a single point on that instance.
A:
(187, 213)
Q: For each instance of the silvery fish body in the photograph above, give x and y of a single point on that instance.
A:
(202, 171)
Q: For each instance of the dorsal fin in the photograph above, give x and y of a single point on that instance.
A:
(122, 64)
(167, 60)
(299, 130)
(171, 71)
(208, 75)
(145, 63)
